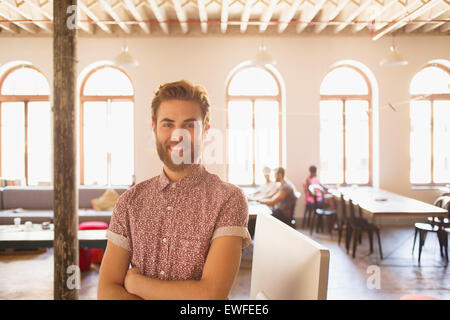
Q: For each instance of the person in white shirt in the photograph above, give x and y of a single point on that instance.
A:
(267, 190)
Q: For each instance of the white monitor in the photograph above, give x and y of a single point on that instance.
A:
(287, 265)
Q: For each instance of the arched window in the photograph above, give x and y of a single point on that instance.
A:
(346, 127)
(253, 124)
(25, 118)
(106, 127)
(430, 125)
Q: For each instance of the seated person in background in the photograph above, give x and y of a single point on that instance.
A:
(266, 190)
(283, 202)
(312, 179)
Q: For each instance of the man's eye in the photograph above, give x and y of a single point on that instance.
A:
(190, 125)
(167, 125)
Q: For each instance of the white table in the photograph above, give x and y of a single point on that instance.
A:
(14, 237)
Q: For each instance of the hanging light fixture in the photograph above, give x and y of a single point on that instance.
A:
(393, 58)
(263, 57)
(125, 59)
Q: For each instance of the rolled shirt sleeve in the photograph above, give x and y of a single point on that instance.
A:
(233, 219)
(119, 231)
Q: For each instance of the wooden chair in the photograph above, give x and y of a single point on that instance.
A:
(309, 208)
(435, 225)
(344, 223)
(319, 213)
(359, 225)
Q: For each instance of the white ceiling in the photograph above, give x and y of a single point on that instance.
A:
(375, 18)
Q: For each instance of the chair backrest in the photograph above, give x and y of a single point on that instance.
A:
(446, 205)
(343, 207)
(438, 201)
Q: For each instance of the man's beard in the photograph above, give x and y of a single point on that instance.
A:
(166, 156)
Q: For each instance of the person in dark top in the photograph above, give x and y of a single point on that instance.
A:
(283, 202)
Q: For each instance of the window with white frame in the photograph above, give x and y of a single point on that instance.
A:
(253, 124)
(345, 127)
(25, 135)
(106, 120)
(430, 125)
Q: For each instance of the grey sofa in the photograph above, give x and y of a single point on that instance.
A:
(37, 204)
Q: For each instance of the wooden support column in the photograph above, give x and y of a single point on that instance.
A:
(66, 271)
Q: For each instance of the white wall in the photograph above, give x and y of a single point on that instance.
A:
(302, 61)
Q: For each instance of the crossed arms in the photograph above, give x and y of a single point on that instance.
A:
(117, 281)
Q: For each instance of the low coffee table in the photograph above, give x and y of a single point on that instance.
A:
(12, 237)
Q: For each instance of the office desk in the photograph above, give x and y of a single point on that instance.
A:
(380, 203)
(12, 237)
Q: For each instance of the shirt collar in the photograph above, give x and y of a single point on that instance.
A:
(191, 179)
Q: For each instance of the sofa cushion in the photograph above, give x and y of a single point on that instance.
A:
(86, 194)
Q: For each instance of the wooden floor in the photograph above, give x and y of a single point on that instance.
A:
(30, 276)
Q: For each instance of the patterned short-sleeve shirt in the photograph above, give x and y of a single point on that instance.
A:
(168, 226)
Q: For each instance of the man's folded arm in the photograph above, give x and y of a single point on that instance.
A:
(219, 272)
(114, 267)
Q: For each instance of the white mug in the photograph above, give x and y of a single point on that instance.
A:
(17, 222)
(28, 225)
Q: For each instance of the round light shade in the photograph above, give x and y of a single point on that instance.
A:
(124, 59)
(263, 57)
(393, 59)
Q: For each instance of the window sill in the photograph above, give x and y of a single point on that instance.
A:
(443, 188)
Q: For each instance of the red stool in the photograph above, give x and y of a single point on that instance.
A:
(87, 256)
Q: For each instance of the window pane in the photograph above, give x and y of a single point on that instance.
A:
(420, 142)
(13, 141)
(331, 142)
(344, 81)
(25, 81)
(266, 137)
(253, 81)
(39, 143)
(356, 142)
(95, 143)
(240, 142)
(441, 145)
(430, 80)
(122, 142)
(108, 82)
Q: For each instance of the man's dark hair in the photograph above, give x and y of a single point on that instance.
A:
(280, 170)
(313, 169)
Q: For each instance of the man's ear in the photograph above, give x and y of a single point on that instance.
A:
(153, 127)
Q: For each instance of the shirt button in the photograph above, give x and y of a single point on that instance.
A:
(164, 240)
(174, 186)
(162, 272)
(169, 208)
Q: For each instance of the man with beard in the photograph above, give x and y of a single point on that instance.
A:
(183, 230)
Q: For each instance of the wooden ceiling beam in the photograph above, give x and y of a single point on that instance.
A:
(203, 15)
(411, 15)
(27, 16)
(246, 14)
(287, 16)
(181, 15)
(114, 15)
(267, 15)
(224, 16)
(352, 16)
(332, 16)
(414, 26)
(310, 15)
(135, 13)
(160, 16)
(20, 25)
(94, 17)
